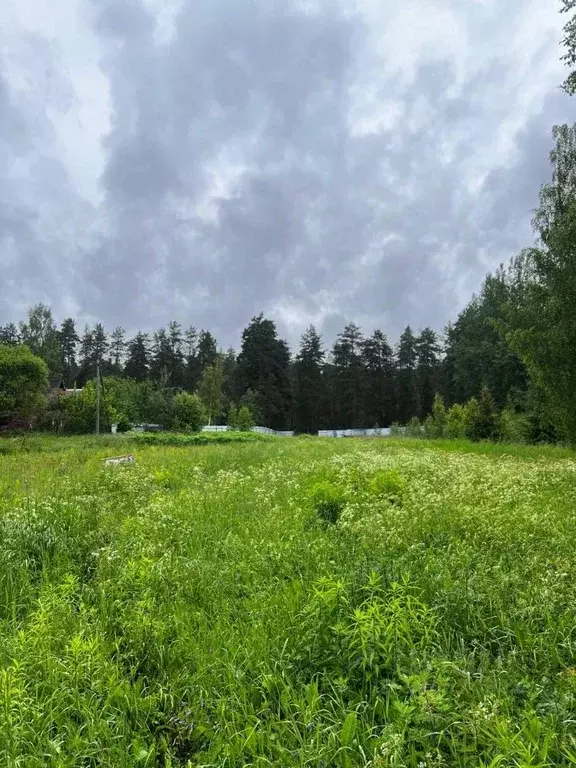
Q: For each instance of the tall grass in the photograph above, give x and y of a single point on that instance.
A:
(200, 608)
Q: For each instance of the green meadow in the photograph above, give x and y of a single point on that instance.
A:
(286, 602)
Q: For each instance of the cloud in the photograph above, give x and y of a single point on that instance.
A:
(320, 161)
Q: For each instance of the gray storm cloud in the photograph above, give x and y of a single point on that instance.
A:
(322, 162)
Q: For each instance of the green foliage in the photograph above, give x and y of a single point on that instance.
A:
(387, 484)
(481, 419)
(198, 438)
(244, 421)
(78, 411)
(328, 501)
(514, 426)
(436, 423)
(455, 427)
(179, 611)
(23, 381)
(240, 419)
(569, 41)
(263, 368)
(211, 390)
(414, 427)
(41, 336)
(310, 392)
(188, 413)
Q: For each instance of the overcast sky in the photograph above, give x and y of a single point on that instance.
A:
(319, 160)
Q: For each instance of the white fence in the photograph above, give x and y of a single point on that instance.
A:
(383, 432)
(262, 430)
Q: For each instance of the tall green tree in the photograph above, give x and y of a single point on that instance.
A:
(380, 397)
(427, 370)
(23, 383)
(137, 362)
(9, 334)
(210, 390)
(309, 383)
(406, 377)
(177, 360)
(207, 350)
(264, 367)
(41, 336)
(541, 319)
(117, 348)
(229, 370)
(569, 41)
(477, 354)
(86, 367)
(348, 377)
(69, 340)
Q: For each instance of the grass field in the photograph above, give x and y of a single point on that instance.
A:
(287, 602)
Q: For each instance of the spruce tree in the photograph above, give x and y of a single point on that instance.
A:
(380, 398)
(348, 377)
(309, 384)
(406, 359)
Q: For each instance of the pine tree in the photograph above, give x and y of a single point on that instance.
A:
(349, 381)
(264, 367)
(428, 370)
(207, 350)
(309, 384)
(99, 343)
(9, 334)
(229, 370)
(117, 349)
(86, 368)
(380, 398)
(137, 364)
(161, 359)
(68, 344)
(406, 359)
(177, 365)
(192, 370)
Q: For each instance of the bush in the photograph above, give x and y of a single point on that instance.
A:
(187, 413)
(414, 427)
(514, 426)
(328, 501)
(435, 424)
(482, 420)
(23, 382)
(455, 426)
(79, 411)
(244, 422)
(388, 484)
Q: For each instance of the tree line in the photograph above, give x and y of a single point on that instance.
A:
(362, 380)
(512, 349)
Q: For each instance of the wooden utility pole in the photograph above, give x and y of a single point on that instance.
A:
(98, 397)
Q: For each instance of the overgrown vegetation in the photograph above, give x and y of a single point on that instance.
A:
(192, 610)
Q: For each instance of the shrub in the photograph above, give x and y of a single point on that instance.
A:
(482, 421)
(388, 484)
(328, 501)
(435, 424)
(23, 381)
(79, 411)
(414, 427)
(187, 413)
(514, 426)
(244, 422)
(455, 426)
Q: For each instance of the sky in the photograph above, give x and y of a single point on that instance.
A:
(321, 161)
